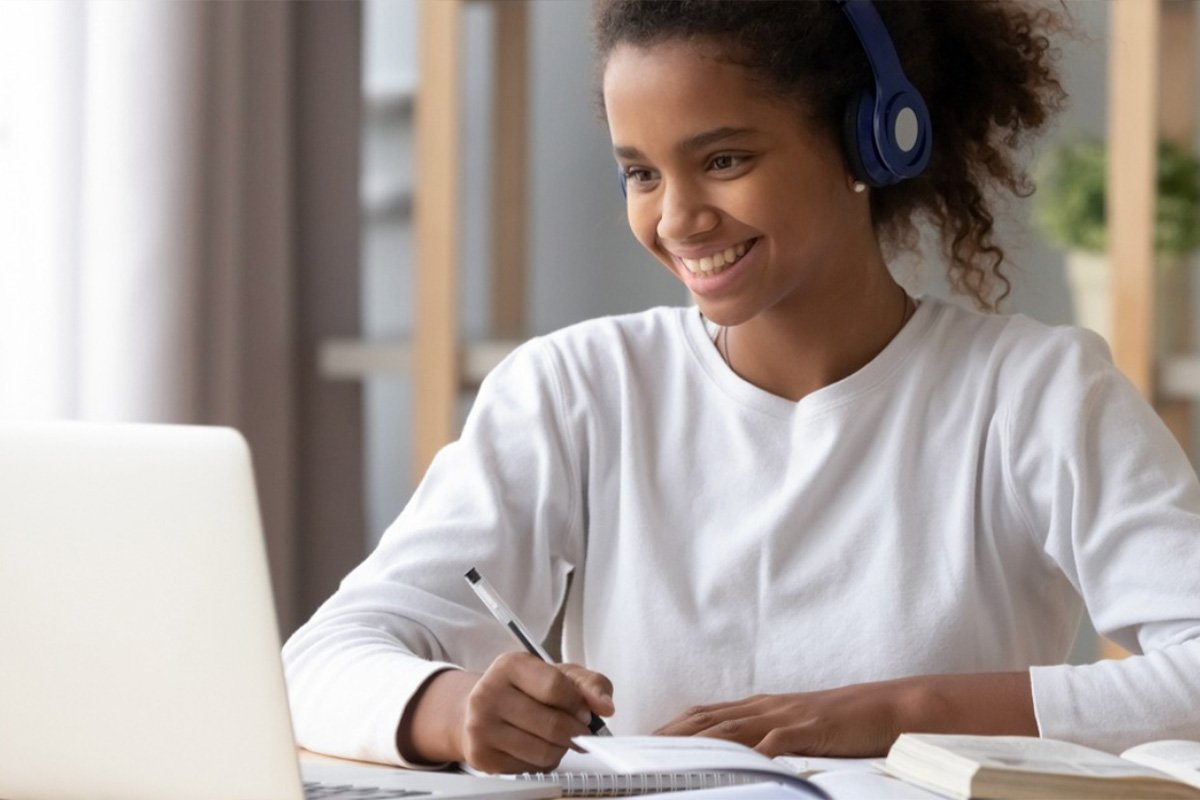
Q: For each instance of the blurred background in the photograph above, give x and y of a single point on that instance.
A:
(321, 223)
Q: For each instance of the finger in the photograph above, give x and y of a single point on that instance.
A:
(495, 701)
(751, 702)
(551, 724)
(597, 688)
(743, 730)
(528, 748)
(508, 749)
(811, 738)
(693, 720)
(543, 682)
(699, 718)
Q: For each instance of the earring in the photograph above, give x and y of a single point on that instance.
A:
(859, 187)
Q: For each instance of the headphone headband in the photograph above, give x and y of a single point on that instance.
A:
(888, 131)
(881, 53)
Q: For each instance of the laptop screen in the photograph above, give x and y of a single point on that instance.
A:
(140, 654)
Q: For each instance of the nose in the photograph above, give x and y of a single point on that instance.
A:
(685, 213)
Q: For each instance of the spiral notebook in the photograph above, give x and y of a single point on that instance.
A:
(625, 766)
(582, 782)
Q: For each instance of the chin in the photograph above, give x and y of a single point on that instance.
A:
(720, 313)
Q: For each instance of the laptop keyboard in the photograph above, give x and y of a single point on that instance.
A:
(328, 791)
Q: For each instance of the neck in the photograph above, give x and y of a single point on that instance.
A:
(808, 342)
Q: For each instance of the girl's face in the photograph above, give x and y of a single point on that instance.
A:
(730, 187)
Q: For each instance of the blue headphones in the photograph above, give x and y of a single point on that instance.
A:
(887, 133)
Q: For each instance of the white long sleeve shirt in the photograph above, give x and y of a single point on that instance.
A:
(948, 508)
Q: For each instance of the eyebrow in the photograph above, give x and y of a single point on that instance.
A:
(692, 143)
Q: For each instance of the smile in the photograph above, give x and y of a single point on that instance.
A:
(717, 262)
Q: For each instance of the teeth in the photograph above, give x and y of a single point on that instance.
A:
(715, 262)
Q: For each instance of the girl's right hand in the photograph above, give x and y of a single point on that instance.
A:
(518, 716)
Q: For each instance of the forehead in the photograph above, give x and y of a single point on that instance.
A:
(680, 87)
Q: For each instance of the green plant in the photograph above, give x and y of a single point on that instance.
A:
(1069, 204)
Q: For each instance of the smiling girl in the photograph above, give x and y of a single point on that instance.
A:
(809, 512)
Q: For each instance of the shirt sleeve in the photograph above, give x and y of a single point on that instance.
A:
(504, 498)
(1115, 505)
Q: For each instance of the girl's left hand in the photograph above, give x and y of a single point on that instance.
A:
(864, 720)
(852, 721)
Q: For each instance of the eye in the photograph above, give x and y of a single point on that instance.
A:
(723, 162)
(638, 175)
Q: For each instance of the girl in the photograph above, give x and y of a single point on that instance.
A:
(810, 512)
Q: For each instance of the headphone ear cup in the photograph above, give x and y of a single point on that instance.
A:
(858, 137)
(850, 142)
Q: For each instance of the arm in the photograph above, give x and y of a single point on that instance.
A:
(504, 498)
(864, 720)
(1114, 503)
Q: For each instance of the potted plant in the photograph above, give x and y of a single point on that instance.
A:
(1069, 207)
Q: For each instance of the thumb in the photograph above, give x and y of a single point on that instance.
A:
(596, 688)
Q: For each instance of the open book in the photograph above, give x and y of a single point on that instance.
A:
(1016, 767)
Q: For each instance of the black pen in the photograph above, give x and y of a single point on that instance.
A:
(502, 612)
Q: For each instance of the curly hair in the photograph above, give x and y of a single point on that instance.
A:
(987, 70)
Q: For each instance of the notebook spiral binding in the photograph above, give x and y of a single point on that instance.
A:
(576, 784)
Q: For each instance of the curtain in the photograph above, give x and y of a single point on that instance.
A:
(177, 241)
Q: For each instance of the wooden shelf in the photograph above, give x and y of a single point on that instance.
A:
(1179, 378)
(442, 367)
(392, 96)
(354, 359)
(437, 363)
(386, 199)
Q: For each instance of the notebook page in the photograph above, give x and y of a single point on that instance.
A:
(807, 766)
(762, 791)
(840, 785)
(652, 754)
(582, 774)
(640, 754)
(858, 784)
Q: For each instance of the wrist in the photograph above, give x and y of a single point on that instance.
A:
(923, 706)
(430, 729)
(994, 704)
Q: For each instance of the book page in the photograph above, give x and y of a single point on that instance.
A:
(1178, 758)
(1032, 754)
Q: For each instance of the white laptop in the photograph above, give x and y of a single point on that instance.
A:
(139, 654)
